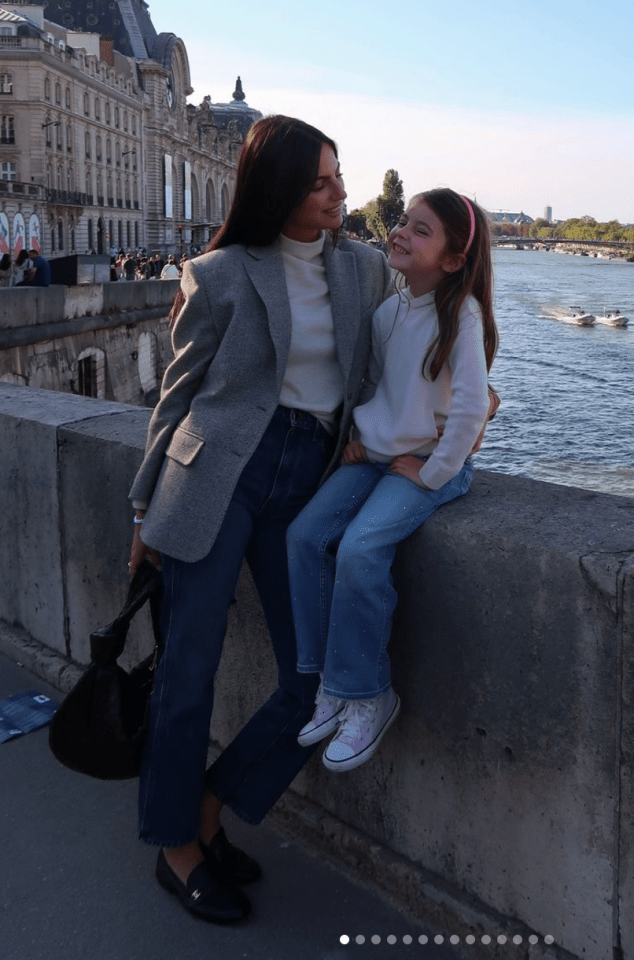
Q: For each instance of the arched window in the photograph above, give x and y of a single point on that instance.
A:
(91, 373)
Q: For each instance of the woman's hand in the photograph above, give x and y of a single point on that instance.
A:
(139, 551)
(354, 452)
(408, 466)
(494, 405)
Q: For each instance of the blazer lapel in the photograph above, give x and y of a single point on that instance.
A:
(345, 301)
(266, 270)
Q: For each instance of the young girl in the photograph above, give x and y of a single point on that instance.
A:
(422, 412)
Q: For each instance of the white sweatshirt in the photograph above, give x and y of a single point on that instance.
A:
(406, 408)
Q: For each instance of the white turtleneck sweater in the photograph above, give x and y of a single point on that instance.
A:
(312, 381)
(406, 408)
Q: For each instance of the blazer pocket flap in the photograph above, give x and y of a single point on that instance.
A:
(184, 447)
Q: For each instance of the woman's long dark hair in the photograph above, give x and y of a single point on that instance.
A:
(277, 169)
(474, 278)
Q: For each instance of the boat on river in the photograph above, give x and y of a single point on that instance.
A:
(612, 318)
(574, 315)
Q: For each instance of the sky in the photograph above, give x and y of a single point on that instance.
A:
(518, 105)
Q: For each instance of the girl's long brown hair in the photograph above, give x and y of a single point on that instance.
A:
(474, 278)
(277, 169)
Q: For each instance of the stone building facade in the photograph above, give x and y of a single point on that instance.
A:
(98, 146)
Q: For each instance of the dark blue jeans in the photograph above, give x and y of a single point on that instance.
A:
(255, 769)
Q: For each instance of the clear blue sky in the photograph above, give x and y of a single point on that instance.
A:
(522, 105)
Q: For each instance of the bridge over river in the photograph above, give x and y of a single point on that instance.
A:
(547, 243)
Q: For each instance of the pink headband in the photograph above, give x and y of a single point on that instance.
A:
(472, 226)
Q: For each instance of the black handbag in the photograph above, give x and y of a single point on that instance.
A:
(100, 727)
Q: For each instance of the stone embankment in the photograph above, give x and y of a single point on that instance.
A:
(502, 802)
(106, 340)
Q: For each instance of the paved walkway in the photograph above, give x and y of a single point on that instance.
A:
(76, 884)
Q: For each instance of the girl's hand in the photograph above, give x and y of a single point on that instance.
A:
(354, 452)
(408, 466)
(139, 551)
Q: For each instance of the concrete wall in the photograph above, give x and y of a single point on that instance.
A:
(503, 794)
(124, 325)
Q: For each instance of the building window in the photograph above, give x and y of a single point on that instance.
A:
(98, 148)
(6, 83)
(116, 117)
(108, 114)
(86, 105)
(90, 235)
(125, 120)
(91, 373)
(9, 171)
(134, 125)
(58, 93)
(88, 145)
(69, 139)
(97, 109)
(47, 89)
(60, 235)
(68, 98)
(87, 375)
(108, 151)
(7, 130)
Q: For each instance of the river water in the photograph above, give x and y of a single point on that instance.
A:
(567, 413)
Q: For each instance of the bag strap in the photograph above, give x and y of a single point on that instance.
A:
(107, 644)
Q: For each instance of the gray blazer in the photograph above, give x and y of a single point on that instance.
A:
(231, 343)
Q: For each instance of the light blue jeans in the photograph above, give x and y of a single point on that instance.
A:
(340, 550)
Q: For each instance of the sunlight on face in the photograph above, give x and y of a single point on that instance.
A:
(323, 207)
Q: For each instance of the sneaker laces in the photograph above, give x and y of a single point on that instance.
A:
(358, 713)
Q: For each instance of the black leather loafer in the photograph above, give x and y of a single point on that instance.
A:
(204, 895)
(227, 862)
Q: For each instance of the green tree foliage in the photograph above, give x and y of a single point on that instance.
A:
(391, 203)
(382, 213)
(582, 228)
(356, 223)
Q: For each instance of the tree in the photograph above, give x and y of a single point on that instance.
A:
(356, 223)
(390, 204)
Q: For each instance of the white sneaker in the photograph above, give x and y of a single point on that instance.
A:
(362, 727)
(328, 711)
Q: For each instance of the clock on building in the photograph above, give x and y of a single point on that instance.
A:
(171, 90)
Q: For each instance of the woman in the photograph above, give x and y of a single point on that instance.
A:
(21, 269)
(6, 270)
(271, 339)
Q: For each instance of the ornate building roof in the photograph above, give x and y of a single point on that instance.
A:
(128, 22)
